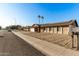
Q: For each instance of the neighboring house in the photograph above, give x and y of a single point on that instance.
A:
(59, 28)
(27, 28)
(35, 28)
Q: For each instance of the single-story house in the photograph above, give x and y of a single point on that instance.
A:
(27, 28)
(59, 28)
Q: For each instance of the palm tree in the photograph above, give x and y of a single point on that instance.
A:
(42, 17)
(39, 21)
(39, 18)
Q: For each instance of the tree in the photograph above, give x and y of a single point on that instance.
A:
(0, 27)
(40, 17)
(18, 27)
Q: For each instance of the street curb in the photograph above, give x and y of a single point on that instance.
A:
(47, 48)
(38, 48)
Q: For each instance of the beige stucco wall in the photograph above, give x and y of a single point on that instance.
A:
(47, 29)
(65, 30)
(32, 30)
(51, 30)
(25, 29)
(42, 29)
(60, 31)
(55, 29)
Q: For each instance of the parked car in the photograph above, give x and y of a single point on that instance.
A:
(9, 30)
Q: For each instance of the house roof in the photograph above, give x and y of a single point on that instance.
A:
(66, 23)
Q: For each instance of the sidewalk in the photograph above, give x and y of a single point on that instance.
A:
(47, 48)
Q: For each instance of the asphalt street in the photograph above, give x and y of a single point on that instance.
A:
(11, 45)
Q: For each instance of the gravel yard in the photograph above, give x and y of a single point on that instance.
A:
(63, 40)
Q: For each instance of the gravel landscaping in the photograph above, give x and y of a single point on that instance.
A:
(63, 40)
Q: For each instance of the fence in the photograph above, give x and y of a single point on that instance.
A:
(75, 37)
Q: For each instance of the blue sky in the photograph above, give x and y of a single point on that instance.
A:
(26, 13)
